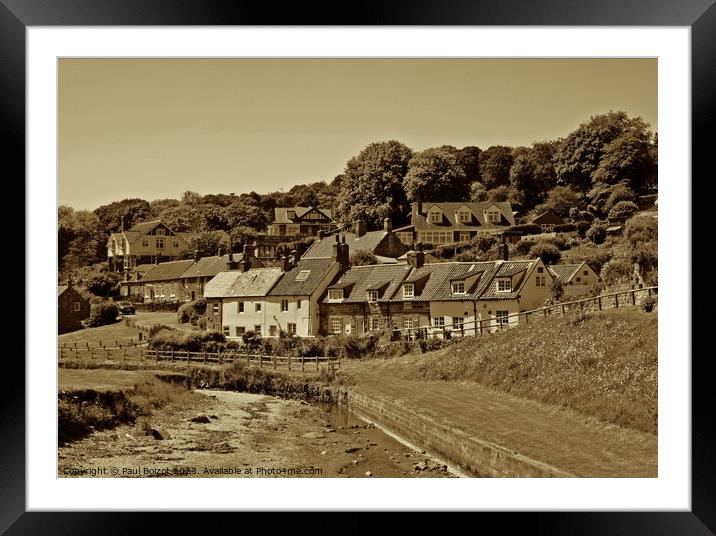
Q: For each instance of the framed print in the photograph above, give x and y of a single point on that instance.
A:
(398, 260)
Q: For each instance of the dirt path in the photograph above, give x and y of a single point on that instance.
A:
(254, 435)
(558, 437)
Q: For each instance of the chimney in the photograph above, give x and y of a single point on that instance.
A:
(247, 250)
(285, 263)
(505, 252)
(320, 234)
(232, 263)
(388, 225)
(295, 257)
(220, 251)
(256, 249)
(416, 259)
(337, 251)
(417, 209)
(359, 227)
(196, 255)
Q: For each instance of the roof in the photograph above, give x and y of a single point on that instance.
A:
(296, 282)
(324, 247)
(281, 213)
(167, 271)
(509, 269)
(420, 221)
(236, 284)
(145, 226)
(565, 272)
(209, 266)
(61, 289)
(372, 277)
(547, 217)
(143, 268)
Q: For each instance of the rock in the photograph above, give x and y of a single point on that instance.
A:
(129, 436)
(213, 417)
(304, 403)
(324, 452)
(368, 473)
(156, 433)
(313, 435)
(203, 419)
(355, 462)
(353, 449)
(330, 430)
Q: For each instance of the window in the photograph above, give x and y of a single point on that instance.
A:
(464, 236)
(303, 275)
(579, 279)
(457, 322)
(272, 331)
(409, 322)
(145, 242)
(241, 307)
(435, 216)
(257, 328)
(374, 323)
(408, 290)
(492, 216)
(436, 237)
(439, 321)
(335, 294)
(540, 270)
(458, 287)
(336, 324)
(540, 281)
(160, 243)
(284, 305)
(227, 331)
(298, 304)
(502, 317)
(77, 306)
(216, 308)
(176, 243)
(160, 231)
(585, 272)
(240, 331)
(257, 307)
(372, 295)
(504, 285)
(463, 216)
(291, 328)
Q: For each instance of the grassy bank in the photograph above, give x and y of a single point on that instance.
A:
(602, 364)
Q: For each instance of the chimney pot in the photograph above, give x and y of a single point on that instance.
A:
(360, 228)
(388, 225)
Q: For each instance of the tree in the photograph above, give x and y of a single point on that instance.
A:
(597, 233)
(241, 214)
(159, 205)
(81, 239)
(623, 210)
(469, 158)
(436, 175)
(372, 184)
(103, 284)
(619, 192)
(191, 198)
(213, 217)
(182, 219)
(627, 158)
(241, 235)
(549, 253)
(560, 200)
(478, 192)
(362, 257)
(127, 212)
(502, 193)
(641, 229)
(582, 150)
(495, 164)
(532, 173)
(103, 313)
(207, 245)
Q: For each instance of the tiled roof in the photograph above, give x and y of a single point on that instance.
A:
(281, 213)
(547, 217)
(236, 284)
(515, 269)
(188, 236)
(61, 289)
(291, 284)
(420, 221)
(143, 268)
(167, 271)
(324, 247)
(209, 266)
(144, 226)
(436, 278)
(564, 272)
(364, 278)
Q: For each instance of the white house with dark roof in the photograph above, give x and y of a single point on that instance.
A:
(301, 221)
(146, 242)
(452, 222)
(577, 279)
(384, 244)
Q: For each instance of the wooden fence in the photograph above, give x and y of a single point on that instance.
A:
(143, 354)
(613, 300)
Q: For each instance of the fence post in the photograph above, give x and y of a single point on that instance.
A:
(600, 302)
(219, 357)
(274, 362)
(172, 355)
(302, 364)
(124, 355)
(141, 354)
(205, 357)
(316, 363)
(76, 352)
(248, 358)
(108, 353)
(633, 296)
(289, 362)
(616, 301)
(562, 309)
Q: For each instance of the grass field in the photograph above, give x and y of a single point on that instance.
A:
(119, 332)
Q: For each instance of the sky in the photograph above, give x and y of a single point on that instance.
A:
(154, 128)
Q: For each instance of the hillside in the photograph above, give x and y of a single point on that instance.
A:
(602, 365)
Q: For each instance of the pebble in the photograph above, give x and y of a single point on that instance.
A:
(323, 453)
(368, 473)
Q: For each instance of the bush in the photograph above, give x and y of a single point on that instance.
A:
(641, 229)
(565, 228)
(620, 192)
(648, 303)
(103, 284)
(646, 256)
(597, 233)
(362, 257)
(557, 289)
(527, 228)
(252, 340)
(523, 247)
(193, 309)
(549, 253)
(623, 210)
(102, 314)
(156, 328)
(616, 270)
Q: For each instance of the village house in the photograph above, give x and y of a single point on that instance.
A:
(132, 288)
(72, 308)
(147, 242)
(453, 222)
(384, 244)
(195, 278)
(456, 296)
(577, 279)
(547, 221)
(296, 222)
(274, 300)
(162, 283)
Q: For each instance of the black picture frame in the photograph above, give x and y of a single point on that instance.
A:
(699, 15)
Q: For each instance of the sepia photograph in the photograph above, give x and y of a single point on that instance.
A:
(357, 267)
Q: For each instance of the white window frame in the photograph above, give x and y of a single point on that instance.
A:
(303, 275)
(257, 328)
(408, 290)
(335, 294)
(372, 296)
(464, 236)
(541, 281)
(505, 283)
(458, 287)
(335, 323)
(77, 306)
(291, 328)
(438, 321)
(160, 243)
(374, 323)
(502, 317)
(216, 308)
(284, 306)
(409, 322)
(458, 322)
(435, 216)
(240, 330)
(226, 330)
(463, 216)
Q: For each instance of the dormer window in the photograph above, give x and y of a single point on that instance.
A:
(335, 294)
(408, 290)
(492, 216)
(435, 216)
(458, 287)
(504, 285)
(463, 216)
(291, 214)
(372, 296)
(160, 231)
(303, 275)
